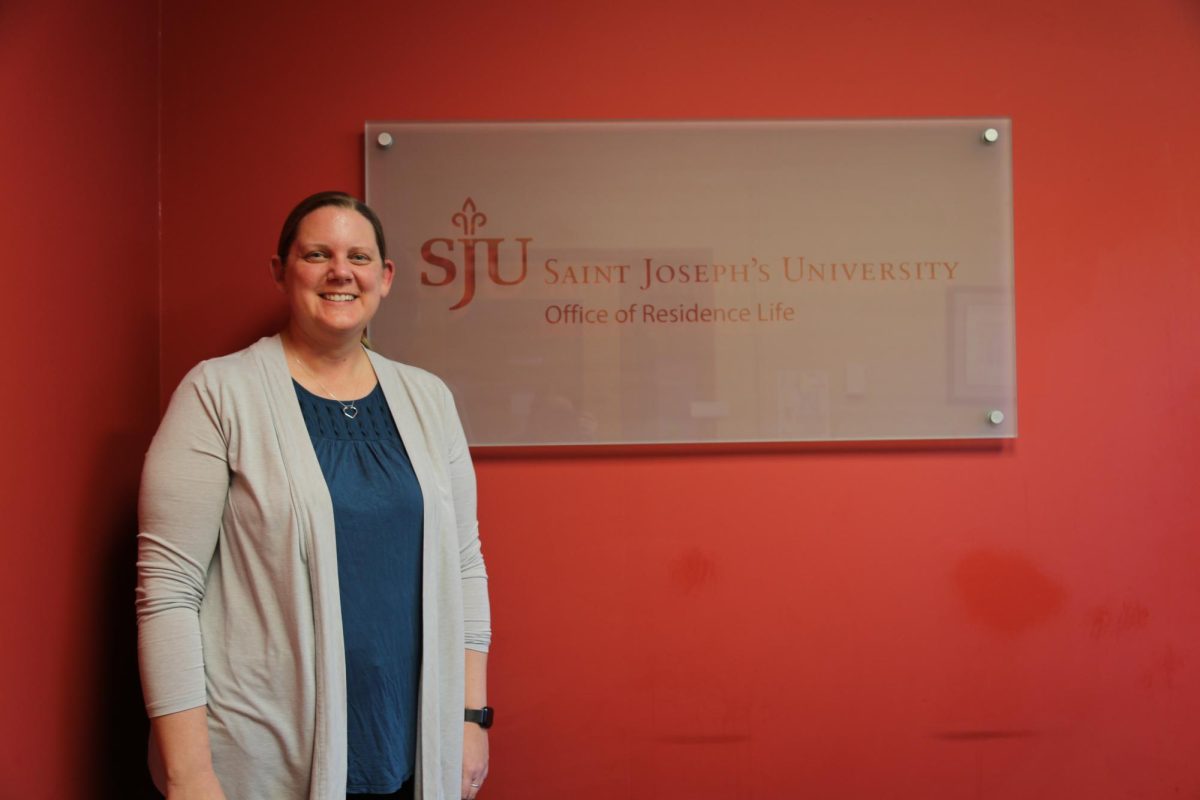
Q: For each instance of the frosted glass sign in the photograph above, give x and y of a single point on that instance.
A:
(703, 281)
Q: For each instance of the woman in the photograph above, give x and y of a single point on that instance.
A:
(310, 581)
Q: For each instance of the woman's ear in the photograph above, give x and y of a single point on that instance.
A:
(277, 272)
(389, 272)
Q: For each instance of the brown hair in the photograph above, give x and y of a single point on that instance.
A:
(291, 225)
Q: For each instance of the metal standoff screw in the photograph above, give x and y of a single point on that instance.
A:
(995, 417)
(991, 136)
(385, 141)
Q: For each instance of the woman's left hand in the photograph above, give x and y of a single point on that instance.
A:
(475, 759)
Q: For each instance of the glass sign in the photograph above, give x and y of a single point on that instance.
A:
(671, 282)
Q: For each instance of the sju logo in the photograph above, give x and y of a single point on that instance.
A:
(441, 253)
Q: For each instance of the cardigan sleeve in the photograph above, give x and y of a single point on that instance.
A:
(185, 481)
(477, 618)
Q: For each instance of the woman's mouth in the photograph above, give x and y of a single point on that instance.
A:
(338, 297)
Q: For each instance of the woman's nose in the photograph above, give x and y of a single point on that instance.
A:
(339, 267)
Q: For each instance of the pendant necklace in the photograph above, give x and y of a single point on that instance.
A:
(349, 409)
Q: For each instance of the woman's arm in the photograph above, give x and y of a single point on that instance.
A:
(477, 625)
(185, 481)
(477, 615)
(182, 740)
(475, 738)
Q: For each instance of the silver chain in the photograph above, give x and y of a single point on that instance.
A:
(349, 409)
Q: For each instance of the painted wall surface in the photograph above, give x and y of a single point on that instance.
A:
(78, 153)
(1018, 622)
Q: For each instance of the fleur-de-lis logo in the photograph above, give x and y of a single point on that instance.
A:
(468, 219)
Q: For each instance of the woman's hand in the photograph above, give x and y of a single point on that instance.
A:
(200, 787)
(475, 759)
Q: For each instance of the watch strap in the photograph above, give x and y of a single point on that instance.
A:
(483, 717)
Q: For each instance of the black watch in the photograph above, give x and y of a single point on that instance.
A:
(483, 717)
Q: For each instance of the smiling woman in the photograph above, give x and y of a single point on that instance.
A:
(332, 264)
(312, 597)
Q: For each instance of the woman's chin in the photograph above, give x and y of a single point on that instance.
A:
(334, 329)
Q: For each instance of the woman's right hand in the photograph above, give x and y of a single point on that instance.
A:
(200, 787)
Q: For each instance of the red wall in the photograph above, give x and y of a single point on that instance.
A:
(78, 232)
(1018, 622)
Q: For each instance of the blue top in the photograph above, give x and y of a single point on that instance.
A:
(378, 513)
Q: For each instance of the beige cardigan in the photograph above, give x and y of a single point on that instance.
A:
(237, 600)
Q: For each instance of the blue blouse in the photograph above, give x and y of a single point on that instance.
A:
(378, 514)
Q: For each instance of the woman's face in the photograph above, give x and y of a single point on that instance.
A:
(334, 277)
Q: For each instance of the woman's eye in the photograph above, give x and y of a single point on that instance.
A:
(315, 255)
(360, 258)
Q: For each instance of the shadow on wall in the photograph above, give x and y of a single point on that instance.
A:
(118, 727)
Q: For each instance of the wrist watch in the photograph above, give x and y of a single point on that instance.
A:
(483, 717)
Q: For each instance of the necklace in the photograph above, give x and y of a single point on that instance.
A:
(349, 409)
